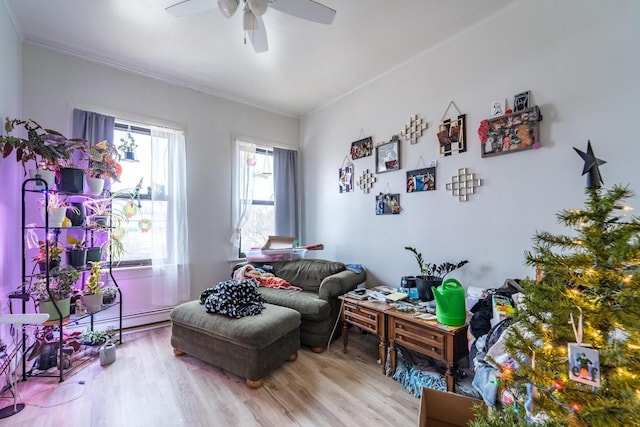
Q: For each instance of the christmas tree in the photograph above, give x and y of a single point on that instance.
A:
(575, 343)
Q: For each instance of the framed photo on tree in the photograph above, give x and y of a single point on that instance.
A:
(388, 156)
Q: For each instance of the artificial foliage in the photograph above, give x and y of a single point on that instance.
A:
(594, 271)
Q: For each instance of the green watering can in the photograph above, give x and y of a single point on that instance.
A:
(450, 305)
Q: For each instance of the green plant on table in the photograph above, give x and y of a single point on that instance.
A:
(434, 271)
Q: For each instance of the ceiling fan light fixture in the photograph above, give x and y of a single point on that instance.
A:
(258, 7)
(228, 7)
(249, 21)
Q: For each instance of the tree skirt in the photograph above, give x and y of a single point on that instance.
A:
(415, 371)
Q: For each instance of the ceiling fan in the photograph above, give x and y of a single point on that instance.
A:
(253, 10)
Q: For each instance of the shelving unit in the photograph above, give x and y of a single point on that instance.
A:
(35, 186)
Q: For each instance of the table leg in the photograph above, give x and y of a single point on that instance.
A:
(392, 355)
(382, 348)
(450, 377)
(345, 337)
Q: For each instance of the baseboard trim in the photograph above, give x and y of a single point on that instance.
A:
(130, 321)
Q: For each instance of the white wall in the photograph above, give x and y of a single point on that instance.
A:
(10, 172)
(54, 84)
(580, 61)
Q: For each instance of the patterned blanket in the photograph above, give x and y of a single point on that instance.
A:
(235, 298)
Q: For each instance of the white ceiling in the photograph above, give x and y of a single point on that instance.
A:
(307, 66)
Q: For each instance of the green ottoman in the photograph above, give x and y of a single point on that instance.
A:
(250, 347)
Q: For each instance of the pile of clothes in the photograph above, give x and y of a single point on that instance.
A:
(486, 340)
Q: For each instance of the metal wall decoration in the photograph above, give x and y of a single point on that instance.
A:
(366, 181)
(388, 155)
(463, 184)
(452, 133)
(510, 133)
(361, 148)
(414, 129)
(388, 204)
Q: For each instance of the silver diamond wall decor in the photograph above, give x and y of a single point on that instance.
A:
(463, 184)
(414, 129)
(366, 181)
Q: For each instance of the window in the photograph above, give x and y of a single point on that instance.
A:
(265, 189)
(260, 221)
(141, 197)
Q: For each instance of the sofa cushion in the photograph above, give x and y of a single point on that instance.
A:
(307, 273)
(308, 304)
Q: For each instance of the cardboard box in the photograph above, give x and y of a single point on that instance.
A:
(279, 242)
(445, 409)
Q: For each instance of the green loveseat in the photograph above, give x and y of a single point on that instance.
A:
(322, 282)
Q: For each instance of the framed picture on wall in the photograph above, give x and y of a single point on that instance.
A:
(421, 180)
(388, 156)
(510, 133)
(388, 204)
(361, 148)
(345, 176)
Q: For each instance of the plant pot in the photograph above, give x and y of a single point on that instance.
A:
(130, 155)
(77, 219)
(424, 284)
(71, 180)
(77, 257)
(100, 220)
(52, 264)
(109, 297)
(94, 185)
(93, 302)
(47, 175)
(94, 254)
(56, 216)
(64, 305)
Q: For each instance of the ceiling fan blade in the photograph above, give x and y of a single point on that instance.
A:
(190, 7)
(305, 9)
(258, 36)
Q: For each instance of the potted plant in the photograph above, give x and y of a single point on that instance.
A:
(92, 293)
(431, 274)
(76, 252)
(97, 337)
(44, 147)
(71, 175)
(57, 294)
(103, 163)
(54, 206)
(109, 294)
(55, 254)
(128, 146)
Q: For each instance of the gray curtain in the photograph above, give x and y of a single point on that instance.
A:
(93, 127)
(285, 182)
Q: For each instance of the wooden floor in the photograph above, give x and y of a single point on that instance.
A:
(149, 386)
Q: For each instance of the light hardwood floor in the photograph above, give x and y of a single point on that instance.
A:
(149, 386)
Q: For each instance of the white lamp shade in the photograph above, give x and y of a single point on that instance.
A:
(228, 7)
(258, 7)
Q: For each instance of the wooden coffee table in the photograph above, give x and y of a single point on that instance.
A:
(367, 315)
(447, 344)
